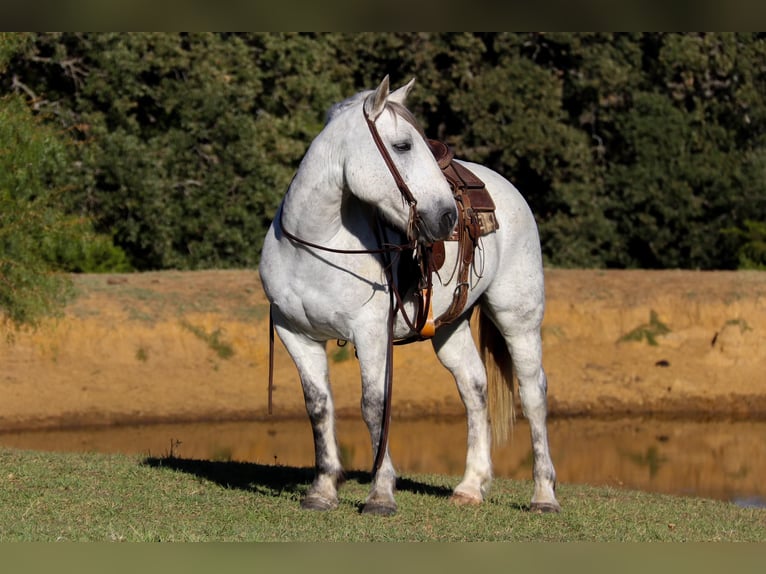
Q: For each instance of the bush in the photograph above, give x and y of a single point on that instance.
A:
(29, 219)
(751, 244)
(633, 149)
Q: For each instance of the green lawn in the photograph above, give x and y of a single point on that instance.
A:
(94, 497)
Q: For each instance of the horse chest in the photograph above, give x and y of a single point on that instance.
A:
(327, 300)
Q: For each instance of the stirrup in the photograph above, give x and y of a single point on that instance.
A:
(428, 329)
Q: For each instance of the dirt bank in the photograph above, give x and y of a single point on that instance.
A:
(189, 346)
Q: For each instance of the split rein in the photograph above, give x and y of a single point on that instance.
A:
(395, 298)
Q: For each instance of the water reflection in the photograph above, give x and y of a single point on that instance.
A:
(714, 459)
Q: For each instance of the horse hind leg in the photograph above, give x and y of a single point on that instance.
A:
(525, 347)
(456, 350)
(311, 360)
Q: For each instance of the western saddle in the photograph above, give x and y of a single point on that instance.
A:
(476, 218)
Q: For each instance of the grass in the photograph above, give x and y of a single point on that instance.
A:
(214, 340)
(340, 352)
(649, 331)
(148, 304)
(95, 497)
(741, 323)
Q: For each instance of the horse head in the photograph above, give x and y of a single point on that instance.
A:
(388, 163)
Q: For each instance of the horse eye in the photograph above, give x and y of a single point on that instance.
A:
(404, 146)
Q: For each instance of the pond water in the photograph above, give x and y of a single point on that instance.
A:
(714, 459)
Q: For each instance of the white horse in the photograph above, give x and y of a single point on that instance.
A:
(323, 271)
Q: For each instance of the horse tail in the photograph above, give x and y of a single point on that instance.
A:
(497, 362)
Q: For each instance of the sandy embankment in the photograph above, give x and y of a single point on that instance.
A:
(142, 348)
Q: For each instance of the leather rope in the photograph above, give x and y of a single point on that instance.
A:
(389, 378)
(271, 356)
(468, 232)
(386, 251)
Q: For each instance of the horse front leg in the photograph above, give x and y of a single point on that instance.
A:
(311, 360)
(372, 361)
(457, 351)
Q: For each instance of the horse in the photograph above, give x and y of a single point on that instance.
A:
(367, 185)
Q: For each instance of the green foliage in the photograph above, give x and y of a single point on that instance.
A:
(340, 353)
(11, 43)
(741, 323)
(196, 136)
(86, 251)
(142, 354)
(633, 150)
(751, 244)
(38, 239)
(29, 153)
(214, 340)
(647, 331)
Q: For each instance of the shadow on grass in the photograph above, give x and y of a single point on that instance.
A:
(274, 480)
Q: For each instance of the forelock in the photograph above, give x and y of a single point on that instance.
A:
(402, 112)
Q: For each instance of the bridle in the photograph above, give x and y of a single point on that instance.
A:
(414, 218)
(401, 185)
(396, 303)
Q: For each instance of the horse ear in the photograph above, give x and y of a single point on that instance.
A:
(401, 94)
(376, 102)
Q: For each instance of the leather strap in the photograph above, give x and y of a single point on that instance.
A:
(467, 241)
(398, 179)
(475, 218)
(271, 356)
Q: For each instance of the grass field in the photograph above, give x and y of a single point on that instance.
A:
(94, 497)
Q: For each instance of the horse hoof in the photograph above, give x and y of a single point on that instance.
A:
(544, 507)
(463, 499)
(379, 509)
(318, 503)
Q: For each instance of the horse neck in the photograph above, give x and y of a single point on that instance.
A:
(312, 206)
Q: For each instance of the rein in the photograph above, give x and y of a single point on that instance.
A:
(387, 248)
(395, 298)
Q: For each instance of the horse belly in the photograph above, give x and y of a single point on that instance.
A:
(445, 282)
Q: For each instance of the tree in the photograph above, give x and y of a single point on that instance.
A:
(29, 221)
(686, 160)
(193, 137)
(633, 149)
(38, 240)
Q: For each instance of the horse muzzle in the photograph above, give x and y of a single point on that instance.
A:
(438, 226)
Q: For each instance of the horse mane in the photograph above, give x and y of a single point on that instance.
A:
(336, 109)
